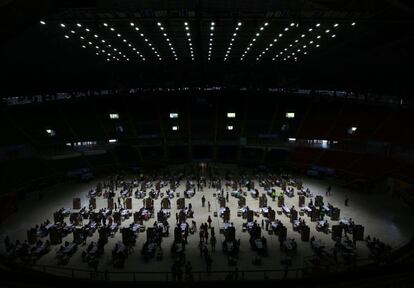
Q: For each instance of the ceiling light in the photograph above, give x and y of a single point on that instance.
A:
(67, 36)
(318, 24)
(292, 24)
(78, 24)
(353, 24)
(336, 25)
(62, 25)
(42, 22)
(105, 24)
(132, 24)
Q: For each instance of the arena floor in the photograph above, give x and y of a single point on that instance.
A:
(381, 215)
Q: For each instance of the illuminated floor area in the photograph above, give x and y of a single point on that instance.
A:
(381, 215)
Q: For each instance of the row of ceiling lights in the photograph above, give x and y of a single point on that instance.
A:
(102, 46)
(293, 50)
(167, 39)
(257, 35)
(117, 54)
(233, 38)
(273, 42)
(210, 42)
(146, 40)
(129, 45)
(190, 44)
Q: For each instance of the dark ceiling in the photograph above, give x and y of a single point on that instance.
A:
(372, 55)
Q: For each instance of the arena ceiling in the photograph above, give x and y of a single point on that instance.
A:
(359, 45)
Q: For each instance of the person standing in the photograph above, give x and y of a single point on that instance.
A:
(209, 221)
(209, 262)
(346, 200)
(203, 201)
(209, 205)
(213, 242)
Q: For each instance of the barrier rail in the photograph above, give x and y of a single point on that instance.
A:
(217, 275)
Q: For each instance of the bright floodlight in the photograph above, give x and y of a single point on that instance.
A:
(292, 139)
(42, 22)
(112, 140)
(174, 128)
(231, 114)
(114, 116)
(290, 115)
(230, 127)
(173, 115)
(50, 132)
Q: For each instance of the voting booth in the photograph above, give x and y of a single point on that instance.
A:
(111, 203)
(299, 184)
(136, 217)
(358, 233)
(177, 235)
(103, 234)
(293, 215)
(160, 216)
(32, 236)
(282, 233)
(180, 203)
(283, 185)
(336, 232)
(150, 233)
(222, 202)
(305, 233)
(182, 217)
(226, 216)
(92, 202)
(318, 201)
(128, 237)
(128, 203)
(242, 202)
(117, 218)
(335, 214)
(76, 203)
(149, 203)
(280, 201)
(301, 201)
(272, 215)
(55, 236)
(262, 201)
(78, 236)
(166, 203)
(75, 219)
(250, 216)
(315, 215)
(230, 234)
